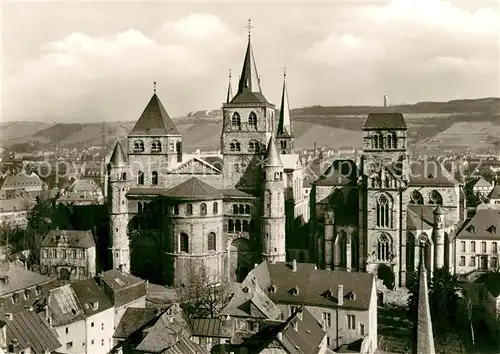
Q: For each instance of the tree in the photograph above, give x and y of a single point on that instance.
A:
(443, 300)
(200, 297)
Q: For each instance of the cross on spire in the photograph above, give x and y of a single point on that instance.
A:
(229, 74)
(154, 86)
(249, 28)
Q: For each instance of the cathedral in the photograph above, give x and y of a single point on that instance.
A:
(170, 211)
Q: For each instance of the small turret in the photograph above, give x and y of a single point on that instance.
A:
(273, 217)
(439, 237)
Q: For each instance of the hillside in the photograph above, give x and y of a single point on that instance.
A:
(326, 126)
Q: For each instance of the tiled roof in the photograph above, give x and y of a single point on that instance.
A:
(386, 120)
(64, 306)
(74, 238)
(118, 157)
(495, 193)
(118, 280)
(212, 327)
(423, 338)
(340, 173)
(32, 331)
(491, 282)
(165, 333)
(249, 97)
(305, 338)
(235, 193)
(485, 224)
(313, 285)
(125, 287)
(185, 346)
(194, 189)
(430, 173)
(154, 120)
(133, 319)
(19, 279)
(22, 180)
(272, 154)
(84, 185)
(214, 161)
(481, 182)
(145, 191)
(90, 296)
(249, 300)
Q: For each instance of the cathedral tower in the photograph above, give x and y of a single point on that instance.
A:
(383, 217)
(248, 123)
(273, 198)
(284, 134)
(118, 209)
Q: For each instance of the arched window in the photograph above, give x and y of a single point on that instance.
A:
(138, 146)
(389, 141)
(394, 141)
(435, 198)
(384, 248)
(139, 207)
(189, 209)
(241, 209)
(235, 208)
(283, 144)
(154, 178)
(156, 146)
(247, 209)
(380, 141)
(383, 212)
(252, 121)
(203, 209)
(245, 225)
(237, 226)
(230, 226)
(253, 146)
(184, 242)
(234, 146)
(375, 141)
(216, 208)
(211, 242)
(342, 244)
(236, 121)
(354, 251)
(176, 209)
(416, 197)
(140, 177)
(124, 176)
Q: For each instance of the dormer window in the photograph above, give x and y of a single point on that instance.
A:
(295, 291)
(472, 229)
(245, 289)
(351, 296)
(27, 294)
(272, 289)
(38, 290)
(492, 229)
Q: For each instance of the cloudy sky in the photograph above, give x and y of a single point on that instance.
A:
(84, 62)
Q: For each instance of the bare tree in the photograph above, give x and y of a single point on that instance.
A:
(200, 296)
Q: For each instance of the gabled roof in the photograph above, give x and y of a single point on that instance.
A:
(272, 155)
(285, 122)
(64, 306)
(118, 158)
(91, 296)
(485, 224)
(74, 238)
(154, 120)
(481, 182)
(313, 284)
(385, 120)
(118, 280)
(430, 173)
(84, 185)
(212, 327)
(22, 180)
(495, 192)
(194, 189)
(32, 331)
(340, 173)
(249, 90)
(423, 338)
(133, 319)
(20, 278)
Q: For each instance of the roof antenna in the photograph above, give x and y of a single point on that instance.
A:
(154, 87)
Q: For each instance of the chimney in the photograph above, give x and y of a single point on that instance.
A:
(294, 265)
(256, 265)
(340, 295)
(300, 314)
(280, 336)
(95, 306)
(10, 316)
(386, 102)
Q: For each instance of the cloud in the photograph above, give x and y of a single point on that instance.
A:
(79, 76)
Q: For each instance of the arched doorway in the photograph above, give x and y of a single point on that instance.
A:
(64, 274)
(240, 259)
(386, 274)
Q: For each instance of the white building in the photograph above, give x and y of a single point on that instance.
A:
(83, 318)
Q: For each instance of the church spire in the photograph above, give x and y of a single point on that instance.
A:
(229, 89)
(423, 339)
(284, 124)
(249, 84)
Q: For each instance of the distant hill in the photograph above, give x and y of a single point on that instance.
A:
(434, 125)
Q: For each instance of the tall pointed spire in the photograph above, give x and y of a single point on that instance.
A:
(118, 157)
(423, 338)
(285, 123)
(249, 89)
(229, 89)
